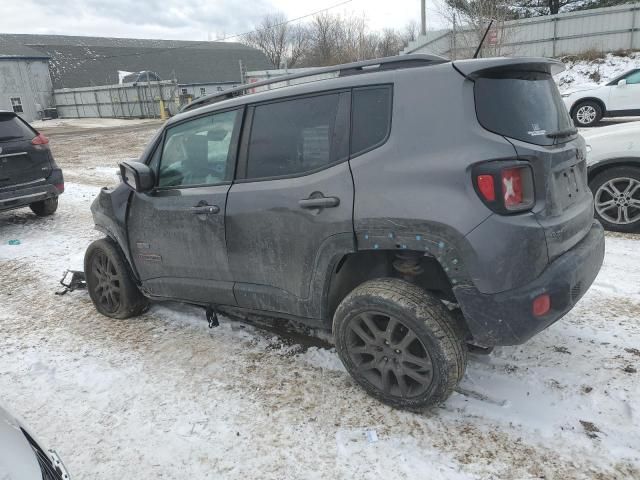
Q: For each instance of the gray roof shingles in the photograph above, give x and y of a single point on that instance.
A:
(86, 61)
(11, 49)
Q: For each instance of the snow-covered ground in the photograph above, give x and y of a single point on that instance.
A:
(598, 71)
(91, 122)
(163, 396)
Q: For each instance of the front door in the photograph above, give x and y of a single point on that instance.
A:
(177, 231)
(289, 214)
(626, 98)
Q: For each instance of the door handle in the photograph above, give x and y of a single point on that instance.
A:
(319, 202)
(205, 209)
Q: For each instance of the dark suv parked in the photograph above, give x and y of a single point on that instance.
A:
(413, 205)
(28, 174)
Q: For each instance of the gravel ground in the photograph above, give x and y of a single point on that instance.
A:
(163, 396)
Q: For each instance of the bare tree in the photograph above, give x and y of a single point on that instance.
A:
(410, 32)
(327, 39)
(475, 16)
(283, 43)
(390, 43)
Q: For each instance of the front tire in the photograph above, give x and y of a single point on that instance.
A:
(616, 198)
(109, 281)
(399, 343)
(587, 114)
(44, 208)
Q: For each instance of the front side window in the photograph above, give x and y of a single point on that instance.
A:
(198, 152)
(633, 78)
(16, 104)
(293, 136)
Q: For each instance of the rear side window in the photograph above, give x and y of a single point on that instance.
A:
(522, 105)
(13, 128)
(370, 117)
(294, 136)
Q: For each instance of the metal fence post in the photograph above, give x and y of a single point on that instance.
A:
(634, 17)
(95, 95)
(555, 35)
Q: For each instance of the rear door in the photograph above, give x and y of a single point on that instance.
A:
(290, 210)
(526, 107)
(177, 231)
(21, 163)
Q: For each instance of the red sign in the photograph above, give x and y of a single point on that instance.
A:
(492, 38)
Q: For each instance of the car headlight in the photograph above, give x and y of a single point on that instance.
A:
(588, 148)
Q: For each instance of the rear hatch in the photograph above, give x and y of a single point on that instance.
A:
(21, 163)
(521, 102)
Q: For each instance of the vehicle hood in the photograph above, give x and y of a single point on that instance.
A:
(630, 129)
(17, 460)
(583, 87)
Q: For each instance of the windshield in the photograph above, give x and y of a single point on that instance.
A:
(522, 105)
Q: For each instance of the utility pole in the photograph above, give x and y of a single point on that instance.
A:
(423, 17)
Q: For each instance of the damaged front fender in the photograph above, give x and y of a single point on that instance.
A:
(109, 211)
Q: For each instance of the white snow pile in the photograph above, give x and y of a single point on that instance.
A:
(91, 122)
(596, 71)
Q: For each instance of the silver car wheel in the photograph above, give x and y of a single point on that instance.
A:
(586, 115)
(618, 201)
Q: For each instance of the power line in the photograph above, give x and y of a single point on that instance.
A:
(197, 44)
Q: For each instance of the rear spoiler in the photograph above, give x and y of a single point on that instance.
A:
(477, 67)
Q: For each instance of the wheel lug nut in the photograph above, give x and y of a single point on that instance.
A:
(386, 342)
(397, 351)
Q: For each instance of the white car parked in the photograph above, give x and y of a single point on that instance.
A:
(22, 457)
(613, 162)
(620, 97)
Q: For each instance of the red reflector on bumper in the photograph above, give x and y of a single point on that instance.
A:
(541, 305)
(60, 187)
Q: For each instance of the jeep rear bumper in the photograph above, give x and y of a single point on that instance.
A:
(507, 318)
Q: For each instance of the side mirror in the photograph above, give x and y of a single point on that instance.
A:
(137, 176)
(622, 83)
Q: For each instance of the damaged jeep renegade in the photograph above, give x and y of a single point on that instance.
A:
(415, 207)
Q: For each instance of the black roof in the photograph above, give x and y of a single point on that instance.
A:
(12, 49)
(86, 61)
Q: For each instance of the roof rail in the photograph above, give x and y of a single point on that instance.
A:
(356, 68)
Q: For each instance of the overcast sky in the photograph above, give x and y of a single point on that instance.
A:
(188, 19)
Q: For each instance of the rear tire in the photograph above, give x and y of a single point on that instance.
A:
(109, 281)
(587, 114)
(616, 196)
(44, 208)
(399, 343)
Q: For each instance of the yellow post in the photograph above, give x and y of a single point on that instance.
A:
(163, 113)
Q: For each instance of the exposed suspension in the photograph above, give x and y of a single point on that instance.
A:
(407, 263)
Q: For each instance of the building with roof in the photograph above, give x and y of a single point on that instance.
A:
(198, 67)
(25, 84)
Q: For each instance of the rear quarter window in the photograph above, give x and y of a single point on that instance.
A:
(370, 117)
(521, 105)
(13, 127)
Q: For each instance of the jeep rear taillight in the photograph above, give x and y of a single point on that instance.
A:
(505, 186)
(487, 187)
(512, 186)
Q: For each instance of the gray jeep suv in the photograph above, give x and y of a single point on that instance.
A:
(412, 205)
